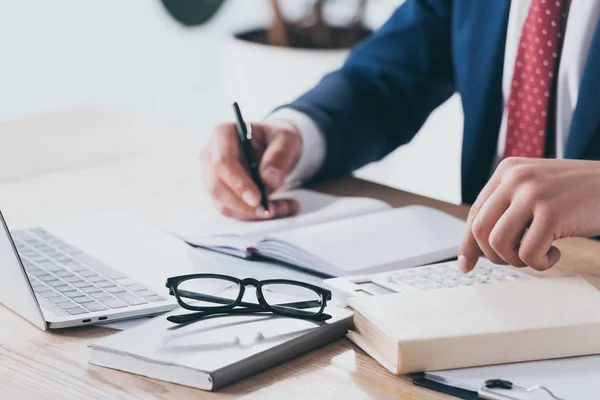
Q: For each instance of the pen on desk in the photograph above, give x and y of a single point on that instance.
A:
(246, 143)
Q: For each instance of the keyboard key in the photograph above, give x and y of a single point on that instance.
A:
(130, 298)
(97, 279)
(59, 299)
(46, 292)
(104, 284)
(145, 293)
(95, 306)
(73, 279)
(34, 282)
(91, 289)
(136, 288)
(88, 273)
(35, 271)
(100, 295)
(68, 304)
(50, 266)
(45, 277)
(55, 283)
(154, 299)
(64, 274)
(73, 293)
(82, 299)
(37, 286)
(74, 266)
(114, 303)
(114, 289)
(77, 311)
(54, 267)
(64, 288)
(37, 258)
(125, 282)
(81, 284)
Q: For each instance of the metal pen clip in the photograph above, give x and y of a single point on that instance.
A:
(489, 390)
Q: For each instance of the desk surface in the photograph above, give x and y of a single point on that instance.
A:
(86, 161)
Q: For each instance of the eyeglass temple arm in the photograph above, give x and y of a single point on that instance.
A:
(191, 317)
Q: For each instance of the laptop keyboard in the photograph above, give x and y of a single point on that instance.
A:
(72, 280)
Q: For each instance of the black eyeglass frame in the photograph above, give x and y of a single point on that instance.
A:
(263, 306)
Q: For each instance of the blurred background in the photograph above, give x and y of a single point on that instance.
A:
(133, 56)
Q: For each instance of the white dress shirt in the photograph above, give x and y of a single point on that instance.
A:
(581, 24)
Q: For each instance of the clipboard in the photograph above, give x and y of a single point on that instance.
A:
(461, 393)
(491, 389)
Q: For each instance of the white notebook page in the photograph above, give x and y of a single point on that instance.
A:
(314, 208)
(369, 242)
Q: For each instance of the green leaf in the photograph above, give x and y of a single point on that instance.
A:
(192, 12)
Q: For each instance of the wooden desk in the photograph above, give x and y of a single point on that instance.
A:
(162, 174)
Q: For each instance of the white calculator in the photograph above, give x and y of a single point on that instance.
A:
(435, 276)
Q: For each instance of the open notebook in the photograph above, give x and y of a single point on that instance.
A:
(335, 236)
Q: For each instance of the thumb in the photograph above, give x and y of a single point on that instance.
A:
(279, 158)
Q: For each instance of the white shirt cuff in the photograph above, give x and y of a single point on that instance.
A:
(312, 154)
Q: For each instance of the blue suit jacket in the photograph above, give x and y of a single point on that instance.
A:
(428, 50)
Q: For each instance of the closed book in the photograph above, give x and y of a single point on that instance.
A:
(215, 352)
(523, 320)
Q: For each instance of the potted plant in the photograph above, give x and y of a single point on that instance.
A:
(262, 67)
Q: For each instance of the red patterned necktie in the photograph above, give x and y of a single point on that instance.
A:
(534, 79)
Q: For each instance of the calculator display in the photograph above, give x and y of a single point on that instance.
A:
(374, 288)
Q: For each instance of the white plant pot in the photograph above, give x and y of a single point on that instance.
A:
(262, 77)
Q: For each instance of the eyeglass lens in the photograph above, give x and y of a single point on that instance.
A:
(208, 292)
(292, 299)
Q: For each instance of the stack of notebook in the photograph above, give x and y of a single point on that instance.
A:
(523, 320)
(215, 352)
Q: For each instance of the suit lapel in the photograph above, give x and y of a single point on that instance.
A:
(481, 32)
(586, 116)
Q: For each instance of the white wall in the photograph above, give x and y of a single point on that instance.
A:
(129, 55)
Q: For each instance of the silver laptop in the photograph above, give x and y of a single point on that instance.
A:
(89, 270)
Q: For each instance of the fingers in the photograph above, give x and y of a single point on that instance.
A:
(536, 248)
(278, 209)
(279, 158)
(230, 186)
(284, 208)
(506, 236)
(469, 251)
(231, 205)
(486, 220)
(226, 165)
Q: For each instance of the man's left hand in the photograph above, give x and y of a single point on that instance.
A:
(526, 206)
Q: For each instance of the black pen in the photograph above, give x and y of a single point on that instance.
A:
(246, 143)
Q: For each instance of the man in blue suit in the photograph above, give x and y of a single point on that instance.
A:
(528, 73)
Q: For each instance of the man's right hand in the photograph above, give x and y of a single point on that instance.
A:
(224, 171)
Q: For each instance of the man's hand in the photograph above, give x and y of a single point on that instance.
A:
(526, 206)
(226, 177)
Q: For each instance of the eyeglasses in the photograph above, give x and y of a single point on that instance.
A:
(278, 296)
